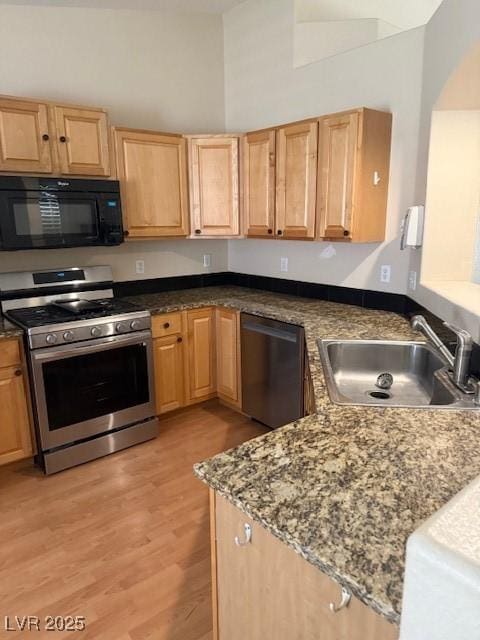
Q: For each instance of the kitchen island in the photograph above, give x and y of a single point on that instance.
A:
(345, 486)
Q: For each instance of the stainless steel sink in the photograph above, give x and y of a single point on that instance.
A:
(389, 374)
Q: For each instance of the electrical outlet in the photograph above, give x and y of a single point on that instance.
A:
(385, 273)
(140, 266)
(412, 280)
(283, 264)
(207, 260)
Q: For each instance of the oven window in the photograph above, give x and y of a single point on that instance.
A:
(48, 217)
(89, 386)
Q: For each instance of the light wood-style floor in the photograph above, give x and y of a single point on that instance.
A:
(123, 540)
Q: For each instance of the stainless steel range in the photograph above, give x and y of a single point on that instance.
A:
(90, 361)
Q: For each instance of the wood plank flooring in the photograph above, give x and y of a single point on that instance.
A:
(123, 541)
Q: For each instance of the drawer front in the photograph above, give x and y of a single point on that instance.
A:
(9, 352)
(166, 324)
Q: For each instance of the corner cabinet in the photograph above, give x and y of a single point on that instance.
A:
(214, 185)
(152, 169)
(353, 176)
(15, 433)
(43, 137)
(262, 589)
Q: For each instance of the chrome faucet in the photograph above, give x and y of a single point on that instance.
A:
(460, 363)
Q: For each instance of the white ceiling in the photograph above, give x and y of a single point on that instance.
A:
(190, 6)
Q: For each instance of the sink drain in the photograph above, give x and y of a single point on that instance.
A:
(379, 395)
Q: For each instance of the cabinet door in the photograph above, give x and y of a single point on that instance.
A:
(82, 141)
(296, 180)
(152, 170)
(259, 184)
(228, 354)
(201, 353)
(266, 590)
(214, 178)
(15, 437)
(25, 139)
(169, 373)
(336, 177)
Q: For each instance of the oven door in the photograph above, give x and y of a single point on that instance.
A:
(84, 390)
(48, 220)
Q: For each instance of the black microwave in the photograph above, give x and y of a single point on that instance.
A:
(52, 213)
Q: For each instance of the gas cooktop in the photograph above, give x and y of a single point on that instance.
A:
(62, 311)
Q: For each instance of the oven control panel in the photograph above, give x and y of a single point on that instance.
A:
(89, 330)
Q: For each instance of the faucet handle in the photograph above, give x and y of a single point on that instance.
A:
(463, 336)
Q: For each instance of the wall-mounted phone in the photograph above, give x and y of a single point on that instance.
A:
(412, 228)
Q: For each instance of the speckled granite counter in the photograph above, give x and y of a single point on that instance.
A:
(9, 330)
(346, 486)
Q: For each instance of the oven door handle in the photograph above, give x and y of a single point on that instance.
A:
(93, 346)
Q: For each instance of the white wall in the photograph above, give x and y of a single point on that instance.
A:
(150, 69)
(162, 258)
(262, 88)
(453, 196)
(449, 37)
(314, 41)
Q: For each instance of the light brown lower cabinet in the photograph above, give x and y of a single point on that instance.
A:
(263, 590)
(184, 347)
(228, 355)
(15, 434)
(201, 368)
(169, 373)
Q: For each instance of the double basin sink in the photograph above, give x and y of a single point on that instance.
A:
(389, 374)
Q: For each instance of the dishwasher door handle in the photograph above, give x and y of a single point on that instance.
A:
(270, 331)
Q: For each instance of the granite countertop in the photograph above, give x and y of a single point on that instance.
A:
(9, 330)
(346, 486)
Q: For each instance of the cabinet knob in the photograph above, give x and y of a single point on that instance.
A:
(179, 339)
(346, 232)
(270, 231)
(279, 232)
(18, 372)
(62, 139)
(166, 325)
(344, 602)
(126, 233)
(198, 231)
(45, 137)
(248, 536)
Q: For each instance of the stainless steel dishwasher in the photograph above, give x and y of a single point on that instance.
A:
(272, 370)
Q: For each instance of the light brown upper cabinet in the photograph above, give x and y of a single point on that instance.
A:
(43, 137)
(296, 180)
(82, 141)
(353, 174)
(259, 183)
(214, 185)
(152, 169)
(25, 137)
